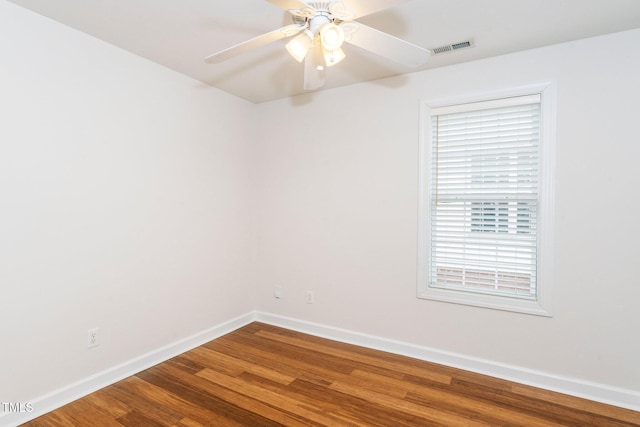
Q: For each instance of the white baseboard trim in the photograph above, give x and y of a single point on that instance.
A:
(624, 398)
(68, 394)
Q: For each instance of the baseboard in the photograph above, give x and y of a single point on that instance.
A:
(68, 394)
(624, 398)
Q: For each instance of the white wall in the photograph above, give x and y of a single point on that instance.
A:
(339, 172)
(129, 197)
(124, 204)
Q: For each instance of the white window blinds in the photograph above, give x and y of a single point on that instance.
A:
(483, 197)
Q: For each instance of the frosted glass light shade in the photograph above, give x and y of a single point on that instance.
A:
(331, 36)
(332, 57)
(300, 45)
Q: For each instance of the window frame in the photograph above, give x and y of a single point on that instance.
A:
(542, 305)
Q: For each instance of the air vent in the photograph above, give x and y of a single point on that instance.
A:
(452, 47)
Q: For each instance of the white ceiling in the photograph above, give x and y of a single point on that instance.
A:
(178, 34)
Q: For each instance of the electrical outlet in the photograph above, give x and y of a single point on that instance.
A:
(93, 337)
(277, 292)
(309, 297)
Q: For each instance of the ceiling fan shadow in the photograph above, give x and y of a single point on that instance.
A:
(246, 29)
(398, 81)
(287, 76)
(364, 66)
(302, 99)
(234, 68)
(389, 21)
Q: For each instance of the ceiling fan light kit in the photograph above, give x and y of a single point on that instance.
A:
(323, 28)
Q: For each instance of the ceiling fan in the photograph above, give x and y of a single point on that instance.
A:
(320, 29)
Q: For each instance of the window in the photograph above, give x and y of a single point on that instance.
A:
(486, 198)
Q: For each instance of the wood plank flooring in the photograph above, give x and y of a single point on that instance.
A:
(261, 375)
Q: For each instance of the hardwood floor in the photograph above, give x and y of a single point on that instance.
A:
(261, 375)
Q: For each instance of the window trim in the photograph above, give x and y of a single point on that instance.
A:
(543, 304)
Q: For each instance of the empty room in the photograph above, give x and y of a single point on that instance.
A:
(290, 212)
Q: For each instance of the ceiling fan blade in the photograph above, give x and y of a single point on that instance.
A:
(255, 42)
(314, 78)
(367, 7)
(288, 4)
(388, 46)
